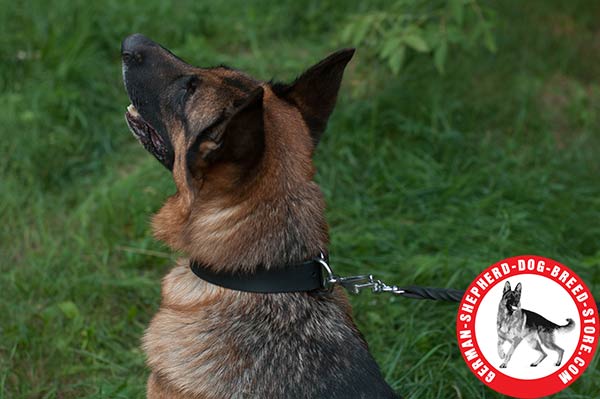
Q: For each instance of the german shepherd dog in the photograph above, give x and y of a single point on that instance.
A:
(240, 152)
(516, 324)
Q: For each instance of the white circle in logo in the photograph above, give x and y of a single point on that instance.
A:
(543, 297)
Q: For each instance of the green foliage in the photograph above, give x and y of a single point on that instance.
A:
(406, 27)
(428, 177)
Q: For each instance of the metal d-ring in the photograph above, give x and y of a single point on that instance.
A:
(330, 279)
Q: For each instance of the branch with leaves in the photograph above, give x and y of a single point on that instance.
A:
(420, 27)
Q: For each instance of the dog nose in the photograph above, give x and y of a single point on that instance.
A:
(132, 48)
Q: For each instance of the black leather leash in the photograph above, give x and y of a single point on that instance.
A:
(309, 276)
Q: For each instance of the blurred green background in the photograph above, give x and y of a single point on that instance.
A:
(466, 132)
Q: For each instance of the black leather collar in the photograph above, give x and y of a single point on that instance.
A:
(305, 276)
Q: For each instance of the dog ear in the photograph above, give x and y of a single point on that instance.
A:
(518, 289)
(506, 287)
(237, 136)
(314, 93)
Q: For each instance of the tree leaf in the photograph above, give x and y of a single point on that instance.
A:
(457, 8)
(416, 42)
(488, 39)
(358, 30)
(396, 60)
(346, 35)
(439, 56)
(390, 46)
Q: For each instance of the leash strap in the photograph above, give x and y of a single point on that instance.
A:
(305, 276)
(436, 294)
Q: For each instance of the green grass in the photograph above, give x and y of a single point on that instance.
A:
(429, 178)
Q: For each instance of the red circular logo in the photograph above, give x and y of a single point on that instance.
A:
(527, 326)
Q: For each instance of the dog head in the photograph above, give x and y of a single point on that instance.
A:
(224, 135)
(511, 299)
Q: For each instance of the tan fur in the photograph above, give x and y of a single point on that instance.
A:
(158, 389)
(186, 342)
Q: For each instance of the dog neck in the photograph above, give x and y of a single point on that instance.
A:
(240, 234)
(244, 235)
(269, 232)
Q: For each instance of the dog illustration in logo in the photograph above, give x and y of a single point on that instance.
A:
(516, 324)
